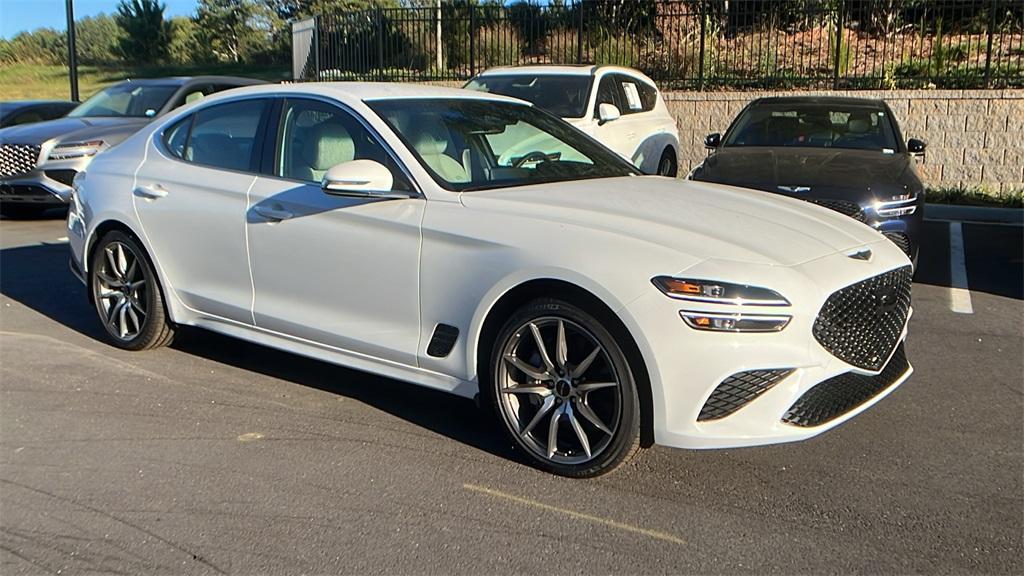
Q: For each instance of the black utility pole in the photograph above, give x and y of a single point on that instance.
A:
(72, 59)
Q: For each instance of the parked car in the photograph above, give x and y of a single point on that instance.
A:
(593, 308)
(38, 162)
(846, 154)
(620, 107)
(19, 112)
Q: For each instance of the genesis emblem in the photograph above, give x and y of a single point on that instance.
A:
(794, 189)
(864, 254)
(885, 300)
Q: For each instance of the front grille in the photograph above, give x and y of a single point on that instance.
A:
(860, 324)
(851, 209)
(738, 390)
(840, 394)
(17, 159)
(900, 239)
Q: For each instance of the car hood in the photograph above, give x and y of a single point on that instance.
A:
(72, 129)
(827, 172)
(703, 221)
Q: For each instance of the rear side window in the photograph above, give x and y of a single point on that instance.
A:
(648, 96)
(224, 136)
(176, 137)
(637, 96)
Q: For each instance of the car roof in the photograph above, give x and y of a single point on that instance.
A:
(369, 91)
(839, 100)
(563, 70)
(182, 80)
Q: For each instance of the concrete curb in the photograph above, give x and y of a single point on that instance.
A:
(974, 214)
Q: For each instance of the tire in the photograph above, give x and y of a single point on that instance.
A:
(668, 165)
(129, 301)
(581, 395)
(22, 211)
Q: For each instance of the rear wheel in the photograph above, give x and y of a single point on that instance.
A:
(564, 391)
(127, 295)
(668, 165)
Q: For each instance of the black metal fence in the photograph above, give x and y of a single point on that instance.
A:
(685, 44)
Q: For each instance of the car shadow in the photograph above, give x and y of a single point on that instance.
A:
(994, 258)
(38, 277)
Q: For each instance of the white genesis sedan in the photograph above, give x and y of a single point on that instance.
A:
(594, 309)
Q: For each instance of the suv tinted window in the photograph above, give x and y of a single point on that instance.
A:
(608, 92)
(224, 136)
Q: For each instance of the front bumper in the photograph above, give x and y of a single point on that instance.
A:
(686, 366)
(40, 186)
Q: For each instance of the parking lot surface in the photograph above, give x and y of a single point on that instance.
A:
(220, 457)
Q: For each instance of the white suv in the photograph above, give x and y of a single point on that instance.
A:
(620, 107)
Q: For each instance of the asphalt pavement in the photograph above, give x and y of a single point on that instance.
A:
(215, 456)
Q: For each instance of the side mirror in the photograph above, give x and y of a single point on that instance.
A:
(712, 140)
(915, 146)
(607, 112)
(360, 179)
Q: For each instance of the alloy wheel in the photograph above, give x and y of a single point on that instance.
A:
(121, 291)
(559, 391)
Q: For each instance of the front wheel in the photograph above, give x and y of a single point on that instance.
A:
(127, 295)
(668, 165)
(564, 390)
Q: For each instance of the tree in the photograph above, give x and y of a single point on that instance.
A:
(186, 46)
(237, 30)
(98, 39)
(146, 34)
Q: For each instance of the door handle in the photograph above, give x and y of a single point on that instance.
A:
(272, 213)
(151, 192)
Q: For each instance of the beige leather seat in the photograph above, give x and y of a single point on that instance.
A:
(431, 142)
(323, 146)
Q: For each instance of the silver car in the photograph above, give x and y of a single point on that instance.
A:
(38, 162)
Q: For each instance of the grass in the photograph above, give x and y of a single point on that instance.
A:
(35, 81)
(975, 197)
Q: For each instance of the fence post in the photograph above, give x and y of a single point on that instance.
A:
(703, 34)
(472, 40)
(988, 48)
(316, 48)
(380, 43)
(839, 42)
(579, 33)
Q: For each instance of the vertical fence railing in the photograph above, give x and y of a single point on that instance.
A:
(681, 43)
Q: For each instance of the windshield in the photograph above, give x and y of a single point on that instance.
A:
(563, 96)
(849, 126)
(126, 99)
(470, 144)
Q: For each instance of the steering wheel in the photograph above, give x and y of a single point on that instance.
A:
(535, 156)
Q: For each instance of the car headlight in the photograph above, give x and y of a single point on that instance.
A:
(717, 292)
(902, 205)
(76, 150)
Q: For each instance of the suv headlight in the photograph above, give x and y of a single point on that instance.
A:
(73, 150)
(718, 292)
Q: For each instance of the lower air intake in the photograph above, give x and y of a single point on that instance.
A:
(837, 396)
(738, 390)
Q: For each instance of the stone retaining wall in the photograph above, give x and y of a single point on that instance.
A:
(975, 137)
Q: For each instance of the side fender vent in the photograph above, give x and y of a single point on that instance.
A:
(443, 340)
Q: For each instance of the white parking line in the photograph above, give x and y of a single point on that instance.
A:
(959, 293)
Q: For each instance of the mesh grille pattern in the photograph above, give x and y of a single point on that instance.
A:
(837, 396)
(739, 389)
(17, 159)
(860, 324)
(900, 239)
(851, 209)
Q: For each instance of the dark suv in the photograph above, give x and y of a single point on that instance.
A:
(846, 154)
